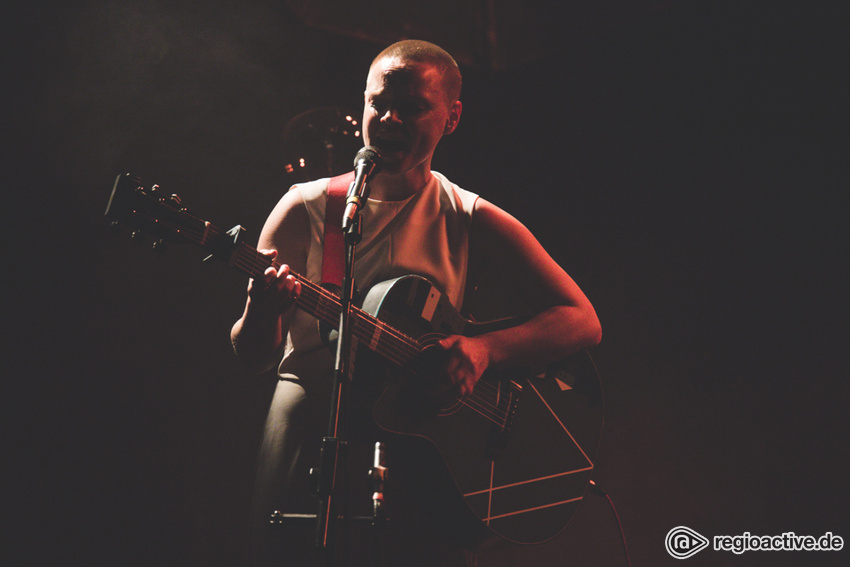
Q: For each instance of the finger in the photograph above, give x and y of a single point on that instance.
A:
(464, 377)
(453, 371)
(269, 275)
(288, 292)
(286, 283)
(260, 283)
(277, 277)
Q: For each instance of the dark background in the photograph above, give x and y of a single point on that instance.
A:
(685, 161)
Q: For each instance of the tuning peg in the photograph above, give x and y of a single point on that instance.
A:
(175, 199)
(160, 246)
(136, 235)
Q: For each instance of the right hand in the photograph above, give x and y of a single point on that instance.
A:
(276, 291)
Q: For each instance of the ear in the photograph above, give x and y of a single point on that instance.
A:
(454, 117)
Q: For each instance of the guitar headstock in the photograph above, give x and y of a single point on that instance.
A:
(152, 211)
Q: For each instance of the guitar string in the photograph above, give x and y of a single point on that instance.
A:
(399, 353)
(324, 304)
(253, 267)
(332, 302)
(492, 419)
(401, 350)
(476, 400)
(405, 347)
(497, 419)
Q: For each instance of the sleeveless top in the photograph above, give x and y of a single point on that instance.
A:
(426, 234)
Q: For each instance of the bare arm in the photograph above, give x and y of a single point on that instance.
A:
(259, 336)
(564, 321)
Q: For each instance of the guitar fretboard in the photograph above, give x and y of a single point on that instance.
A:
(326, 306)
(166, 215)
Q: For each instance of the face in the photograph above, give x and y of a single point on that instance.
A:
(406, 113)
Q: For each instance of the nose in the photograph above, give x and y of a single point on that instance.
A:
(391, 115)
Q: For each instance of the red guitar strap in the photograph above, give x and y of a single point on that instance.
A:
(334, 244)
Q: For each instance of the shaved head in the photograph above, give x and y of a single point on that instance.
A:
(425, 52)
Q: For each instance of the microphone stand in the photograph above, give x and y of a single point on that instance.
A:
(333, 444)
(366, 163)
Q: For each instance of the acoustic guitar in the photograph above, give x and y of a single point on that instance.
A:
(519, 448)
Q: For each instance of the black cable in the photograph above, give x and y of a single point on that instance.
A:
(595, 487)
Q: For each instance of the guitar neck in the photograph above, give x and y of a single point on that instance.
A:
(314, 299)
(323, 304)
(170, 221)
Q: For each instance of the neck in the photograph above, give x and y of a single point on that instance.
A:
(388, 186)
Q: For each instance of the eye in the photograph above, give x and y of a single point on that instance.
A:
(412, 107)
(380, 106)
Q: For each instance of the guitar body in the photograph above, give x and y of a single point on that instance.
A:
(520, 448)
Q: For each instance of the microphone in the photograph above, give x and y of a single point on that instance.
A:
(367, 163)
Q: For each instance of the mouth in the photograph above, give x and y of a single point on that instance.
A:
(390, 145)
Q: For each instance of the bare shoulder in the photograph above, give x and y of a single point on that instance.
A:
(496, 233)
(287, 229)
(507, 259)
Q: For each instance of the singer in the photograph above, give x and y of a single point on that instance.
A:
(415, 221)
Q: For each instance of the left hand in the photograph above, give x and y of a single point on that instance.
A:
(466, 360)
